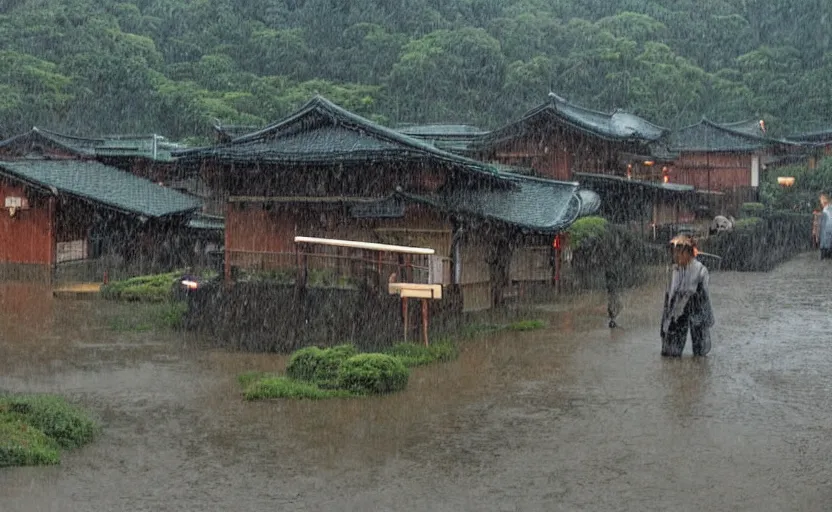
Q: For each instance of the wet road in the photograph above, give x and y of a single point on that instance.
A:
(574, 417)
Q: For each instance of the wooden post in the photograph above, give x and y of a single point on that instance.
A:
(405, 319)
(425, 321)
(227, 260)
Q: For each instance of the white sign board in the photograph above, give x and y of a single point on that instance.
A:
(14, 202)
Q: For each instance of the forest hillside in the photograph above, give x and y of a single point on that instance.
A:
(93, 67)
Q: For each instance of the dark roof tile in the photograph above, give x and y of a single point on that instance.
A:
(100, 183)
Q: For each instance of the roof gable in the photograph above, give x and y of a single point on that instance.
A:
(322, 132)
(710, 136)
(94, 181)
(615, 126)
(40, 141)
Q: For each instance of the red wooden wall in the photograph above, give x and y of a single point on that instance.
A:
(727, 170)
(28, 237)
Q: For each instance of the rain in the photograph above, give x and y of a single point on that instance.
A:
(416, 255)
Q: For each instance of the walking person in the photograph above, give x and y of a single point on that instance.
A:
(687, 303)
(825, 228)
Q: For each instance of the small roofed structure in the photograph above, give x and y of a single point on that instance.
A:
(559, 137)
(724, 156)
(58, 211)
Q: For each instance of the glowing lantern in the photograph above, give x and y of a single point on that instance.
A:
(785, 181)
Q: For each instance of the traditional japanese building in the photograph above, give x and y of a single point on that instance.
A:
(724, 157)
(814, 146)
(326, 172)
(58, 211)
(653, 208)
(558, 138)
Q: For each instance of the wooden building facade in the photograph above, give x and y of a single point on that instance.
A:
(326, 172)
(724, 157)
(559, 138)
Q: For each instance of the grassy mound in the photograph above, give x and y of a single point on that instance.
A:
(373, 374)
(275, 386)
(412, 354)
(33, 428)
(23, 445)
(152, 288)
(320, 366)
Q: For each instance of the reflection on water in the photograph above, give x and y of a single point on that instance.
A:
(575, 416)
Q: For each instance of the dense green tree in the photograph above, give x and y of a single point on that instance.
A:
(172, 66)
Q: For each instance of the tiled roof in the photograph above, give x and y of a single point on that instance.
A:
(102, 184)
(594, 181)
(533, 204)
(79, 146)
(616, 126)
(456, 138)
(115, 145)
(816, 137)
(710, 136)
(322, 132)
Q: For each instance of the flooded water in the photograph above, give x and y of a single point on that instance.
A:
(573, 417)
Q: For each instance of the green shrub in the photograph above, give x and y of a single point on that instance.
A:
(150, 288)
(752, 209)
(586, 228)
(66, 424)
(24, 445)
(526, 325)
(283, 387)
(747, 223)
(412, 354)
(248, 378)
(320, 366)
(373, 373)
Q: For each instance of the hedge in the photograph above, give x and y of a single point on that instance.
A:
(373, 374)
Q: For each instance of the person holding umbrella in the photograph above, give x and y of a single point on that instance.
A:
(687, 303)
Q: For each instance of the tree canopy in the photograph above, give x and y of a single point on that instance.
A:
(175, 66)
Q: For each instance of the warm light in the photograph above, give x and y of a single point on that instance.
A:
(666, 178)
(649, 163)
(629, 171)
(191, 285)
(786, 181)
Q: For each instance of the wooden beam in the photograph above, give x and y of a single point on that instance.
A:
(364, 245)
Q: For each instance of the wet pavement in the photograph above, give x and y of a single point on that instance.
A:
(573, 417)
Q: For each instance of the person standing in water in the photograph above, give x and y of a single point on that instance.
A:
(825, 228)
(687, 303)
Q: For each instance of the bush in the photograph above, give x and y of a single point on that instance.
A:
(151, 288)
(747, 223)
(283, 387)
(585, 229)
(412, 354)
(320, 366)
(752, 209)
(373, 374)
(33, 428)
(760, 243)
(24, 445)
(68, 425)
